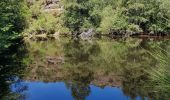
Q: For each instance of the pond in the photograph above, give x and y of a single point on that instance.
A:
(66, 69)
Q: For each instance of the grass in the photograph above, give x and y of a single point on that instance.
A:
(161, 74)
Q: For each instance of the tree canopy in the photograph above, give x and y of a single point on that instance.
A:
(12, 21)
(120, 16)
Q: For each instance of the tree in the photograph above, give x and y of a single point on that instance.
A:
(12, 22)
(120, 16)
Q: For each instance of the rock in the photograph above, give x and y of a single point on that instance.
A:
(87, 35)
(52, 6)
(47, 2)
(51, 2)
(55, 60)
(30, 2)
(56, 35)
(39, 37)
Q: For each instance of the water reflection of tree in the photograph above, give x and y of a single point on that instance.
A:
(79, 82)
(79, 76)
(130, 58)
(78, 51)
(10, 66)
(138, 65)
(79, 90)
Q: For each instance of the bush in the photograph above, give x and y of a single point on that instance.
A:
(44, 22)
(12, 22)
(128, 16)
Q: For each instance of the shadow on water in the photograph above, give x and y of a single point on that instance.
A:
(11, 67)
(69, 69)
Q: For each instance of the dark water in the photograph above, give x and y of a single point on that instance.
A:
(82, 70)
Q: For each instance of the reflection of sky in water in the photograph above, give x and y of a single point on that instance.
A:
(59, 91)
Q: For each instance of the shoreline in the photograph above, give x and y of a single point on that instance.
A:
(43, 37)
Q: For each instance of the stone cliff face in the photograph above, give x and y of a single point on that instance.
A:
(30, 2)
(52, 6)
(47, 5)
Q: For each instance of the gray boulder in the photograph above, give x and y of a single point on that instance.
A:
(30, 2)
(88, 35)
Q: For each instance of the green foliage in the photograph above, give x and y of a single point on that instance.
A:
(120, 16)
(12, 21)
(161, 74)
(39, 21)
(76, 13)
(112, 21)
(44, 21)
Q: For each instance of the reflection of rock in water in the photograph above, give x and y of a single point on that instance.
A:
(76, 54)
(55, 60)
(84, 65)
(47, 71)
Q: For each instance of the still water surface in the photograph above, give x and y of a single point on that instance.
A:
(81, 70)
(59, 91)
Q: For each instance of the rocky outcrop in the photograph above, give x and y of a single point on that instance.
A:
(55, 60)
(52, 6)
(47, 5)
(30, 2)
(88, 35)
